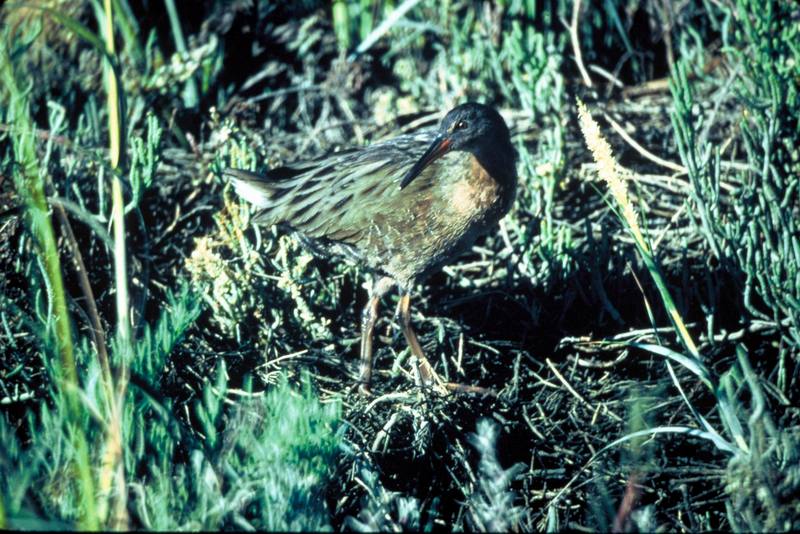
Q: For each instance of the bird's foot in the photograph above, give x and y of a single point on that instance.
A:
(359, 387)
(428, 378)
(454, 387)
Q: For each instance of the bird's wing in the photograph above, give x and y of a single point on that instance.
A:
(334, 197)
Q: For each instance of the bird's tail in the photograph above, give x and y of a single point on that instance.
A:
(252, 187)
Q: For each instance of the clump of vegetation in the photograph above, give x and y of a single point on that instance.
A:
(167, 364)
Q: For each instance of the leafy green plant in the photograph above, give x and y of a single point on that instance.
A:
(96, 440)
(262, 466)
(57, 327)
(757, 233)
(763, 445)
(491, 506)
(185, 407)
(384, 510)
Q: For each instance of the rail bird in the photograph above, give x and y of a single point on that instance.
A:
(402, 208)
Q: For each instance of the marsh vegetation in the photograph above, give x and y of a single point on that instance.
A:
(165, 364)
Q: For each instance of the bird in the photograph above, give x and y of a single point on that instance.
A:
(402, 208)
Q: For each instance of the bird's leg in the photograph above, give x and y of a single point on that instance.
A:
(428, 375)
(368, 317)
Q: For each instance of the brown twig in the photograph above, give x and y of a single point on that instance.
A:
(626, 507)
(640, 149)
(577, 395)
(96, 327)
(576, 44)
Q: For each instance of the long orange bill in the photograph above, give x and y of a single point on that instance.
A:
(438, 148)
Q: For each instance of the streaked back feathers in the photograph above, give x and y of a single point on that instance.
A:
(331, 183)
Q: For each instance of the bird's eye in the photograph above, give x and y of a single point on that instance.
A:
(461, 125)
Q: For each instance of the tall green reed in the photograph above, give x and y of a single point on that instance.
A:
(29, 180)
(616, 179)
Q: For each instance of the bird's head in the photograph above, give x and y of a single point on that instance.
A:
(470, 127)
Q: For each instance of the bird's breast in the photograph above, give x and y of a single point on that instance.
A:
(474, 195)
(437, 217)
(467, 202)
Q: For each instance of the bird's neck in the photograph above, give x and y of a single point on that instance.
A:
(500, 161)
